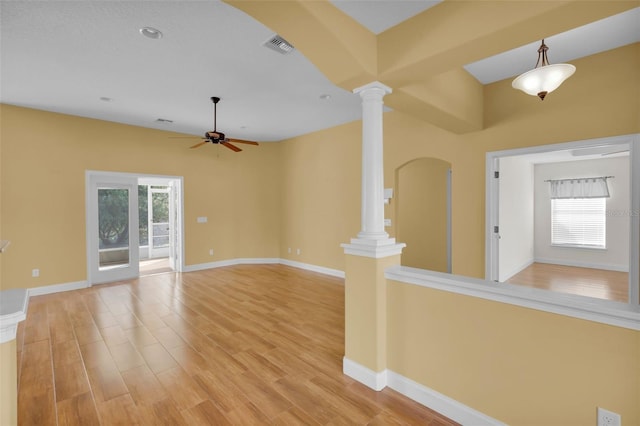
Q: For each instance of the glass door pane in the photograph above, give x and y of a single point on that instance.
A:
(113, 228)
(160, 230)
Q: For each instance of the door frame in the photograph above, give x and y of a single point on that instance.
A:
(92, 175)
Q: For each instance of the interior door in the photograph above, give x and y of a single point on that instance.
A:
(112, 228)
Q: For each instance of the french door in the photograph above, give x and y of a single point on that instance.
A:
(112, 227)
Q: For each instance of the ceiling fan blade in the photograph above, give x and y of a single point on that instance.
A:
(199, 144)
(242, 141)
(231, 147)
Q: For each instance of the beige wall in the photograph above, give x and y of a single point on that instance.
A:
(518, 365)
(320, 190)
(45, 156)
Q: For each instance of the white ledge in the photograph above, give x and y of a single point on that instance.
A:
(376, 248)
(602, 311)
(13, 309)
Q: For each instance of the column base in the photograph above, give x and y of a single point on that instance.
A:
(376, 248)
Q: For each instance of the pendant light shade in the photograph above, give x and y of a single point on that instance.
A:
(544, 78)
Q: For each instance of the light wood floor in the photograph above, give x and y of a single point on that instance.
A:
(228, 346)
(599, 283)
(154, 266)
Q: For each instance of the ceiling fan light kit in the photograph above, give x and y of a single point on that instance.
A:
(544, 78)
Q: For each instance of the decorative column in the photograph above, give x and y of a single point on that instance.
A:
(368, 255)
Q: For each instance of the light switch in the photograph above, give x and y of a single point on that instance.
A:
(202, 219)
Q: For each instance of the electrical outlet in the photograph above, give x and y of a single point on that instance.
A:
(608, 418)
(35, 273)
(298, 251)
(289, 250)
(210, 252)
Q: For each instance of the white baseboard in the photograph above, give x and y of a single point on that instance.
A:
(438, 402)
(269, 260)
(313, 268)
(56, 288)
(422, 394)
(606, 267)
(230, 262)
(369, 378)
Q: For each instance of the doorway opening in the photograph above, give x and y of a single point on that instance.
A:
(540, 235)
(134, 225)
(423, 213)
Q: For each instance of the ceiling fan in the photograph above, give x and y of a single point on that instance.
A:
(214, 136)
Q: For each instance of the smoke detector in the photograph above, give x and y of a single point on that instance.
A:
(278, 44)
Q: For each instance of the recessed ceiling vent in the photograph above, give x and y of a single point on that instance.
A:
(163, 120)
(279, 44)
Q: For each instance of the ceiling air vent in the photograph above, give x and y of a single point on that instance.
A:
(278, 44)
(163, 120)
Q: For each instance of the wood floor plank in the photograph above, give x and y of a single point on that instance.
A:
(205, 413)
(184, 391)
(79, 410)
(36, 396)
(106, 382)
(119, 411)
(598, 283)
(143, 385)
(242, 345)
(113, 335)
(222, 391)
(157, 358)
(126, 356)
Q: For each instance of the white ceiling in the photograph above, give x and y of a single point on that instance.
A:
(66, 56)
(606, 34)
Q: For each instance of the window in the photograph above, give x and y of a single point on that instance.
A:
(579, 222)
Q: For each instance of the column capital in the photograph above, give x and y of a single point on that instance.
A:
(373, 85)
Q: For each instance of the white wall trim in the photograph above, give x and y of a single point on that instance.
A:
(618, 314)
(438, 402)
(606, 267)
(373, 248)
(374, 380)
(422, 394)
(57, 288)
(230, 262)
(13, 309)
(268, 260)
(314, 268)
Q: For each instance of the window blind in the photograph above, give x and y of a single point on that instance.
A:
(579, 222)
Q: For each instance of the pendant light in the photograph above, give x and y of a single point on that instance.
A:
(544, 78)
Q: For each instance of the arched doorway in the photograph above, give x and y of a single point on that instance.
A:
(423, 213)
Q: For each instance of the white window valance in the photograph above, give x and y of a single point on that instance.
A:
(593, 187)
